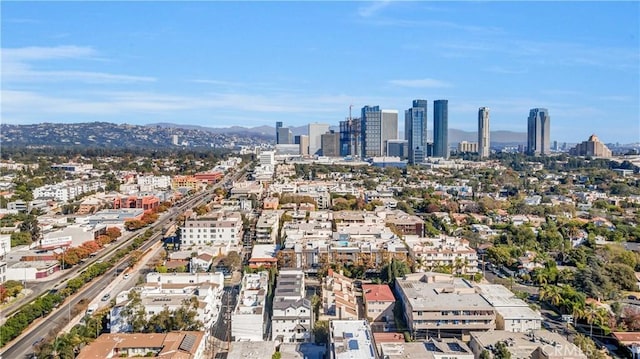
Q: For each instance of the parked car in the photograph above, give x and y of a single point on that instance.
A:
(106, 297)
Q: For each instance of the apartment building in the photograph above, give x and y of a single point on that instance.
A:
(512, 314)
(171, 291)
(218, 228)
(248, 320)
(172, 345)
(379, 303)
(67, 190)
(153, 182)
(405, 223)
(267, 227)
(442, 305)
(451, 253)
(339, 297)
(540, 344)
(292, 319)
(351, 339)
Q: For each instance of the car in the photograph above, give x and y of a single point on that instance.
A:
(106, 297)
(126, 276)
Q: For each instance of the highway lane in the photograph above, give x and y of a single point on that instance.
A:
(23, 347)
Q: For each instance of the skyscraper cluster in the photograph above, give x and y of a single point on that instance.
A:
(375, 134)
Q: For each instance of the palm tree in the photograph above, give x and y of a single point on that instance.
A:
(592, 314)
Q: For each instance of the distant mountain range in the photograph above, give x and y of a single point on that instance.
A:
(455, 135)
(162, 135)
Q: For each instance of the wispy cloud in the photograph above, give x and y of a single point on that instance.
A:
(19, 66)
(421, 83)
(619, 98)
(373, 8)
(506, 70)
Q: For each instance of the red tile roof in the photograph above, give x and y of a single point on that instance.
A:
(627, 338)
(378, 293)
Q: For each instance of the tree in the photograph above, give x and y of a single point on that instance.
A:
(321, 332)
(232, 260)
(588, 347)
(485, 354)
(502, 351)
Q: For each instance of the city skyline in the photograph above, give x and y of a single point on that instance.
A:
(232, 63)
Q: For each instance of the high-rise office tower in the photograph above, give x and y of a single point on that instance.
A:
(371, 129)
(539, 132)
(389, 129)
(484, 140)
(441, 128)
(278, 127)
(284, 136)
(331, 144)
(316, 130)
(415, 131)
(377, 127)
(303, 142)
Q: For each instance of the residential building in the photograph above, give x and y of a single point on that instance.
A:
(339, 297)
(444, 252)
(190, 182)
(330, 144)
(172, 345)
(248, 320)
(415, 131)
(541, 344)
(442, 305)
(219, 228)
(512, 314)
(539, 132)
(379, 303)
(443, 348)
(441, 129)
(292, 318)
(591, 147)
(351, 339)
(484, 133)
(315, 137)
(252, 350)
(153, 182)
(170, 291)
(267, 227)
(267, 158)
(464, 147)
(67, 190)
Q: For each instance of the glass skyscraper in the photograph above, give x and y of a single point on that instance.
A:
(539, 132)
(415, 131)
(441, 128)
(371, 130)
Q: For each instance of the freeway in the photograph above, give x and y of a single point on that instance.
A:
(23, 346)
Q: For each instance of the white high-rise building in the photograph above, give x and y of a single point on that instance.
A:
(316, 130)
(484, 140)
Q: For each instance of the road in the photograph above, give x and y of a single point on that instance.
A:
(222, 329)
(23, 346)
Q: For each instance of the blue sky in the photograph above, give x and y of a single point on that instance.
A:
(253, 63)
